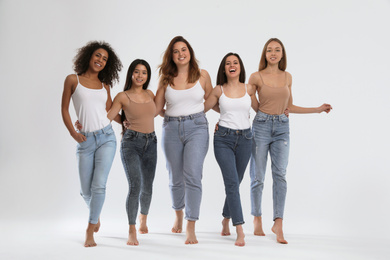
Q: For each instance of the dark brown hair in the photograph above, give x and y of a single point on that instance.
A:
(263, 61)
(168, 69)
(221, 76)
(110, 73)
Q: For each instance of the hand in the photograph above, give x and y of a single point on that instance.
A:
(325, 107)
(126, 124)
(162, 112)
(79, 137)
(287, 112)
(78, 125)
(216, 128)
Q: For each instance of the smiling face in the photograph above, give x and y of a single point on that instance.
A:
(180, 53)
(140, 76)
(274, 53)
(232, 66)
(98, 60)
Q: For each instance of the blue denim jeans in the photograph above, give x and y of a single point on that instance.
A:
(271, 134)
(185, 143)
(232, 149)
(94, 157)
(139, 158)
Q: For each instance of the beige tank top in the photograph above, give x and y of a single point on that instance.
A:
(141, 115)
(273, 100)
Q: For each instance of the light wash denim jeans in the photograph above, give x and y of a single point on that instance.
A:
(185, 143)
(94, 157)
(139, 158)
(271, 134)
(232, 149)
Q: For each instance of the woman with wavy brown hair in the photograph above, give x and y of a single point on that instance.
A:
(272, 132)
(182, 88)
(96, 66)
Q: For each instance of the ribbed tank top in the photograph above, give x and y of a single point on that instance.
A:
(184, 102)
(90, 106)
(235, 111)
(141, 115)
(273, 100)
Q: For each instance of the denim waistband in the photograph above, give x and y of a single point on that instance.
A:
(271, 117)
(234, 131)
(182, 118)
(98, 132)
(139, 134)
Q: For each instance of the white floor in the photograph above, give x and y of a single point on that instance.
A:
(52, 241)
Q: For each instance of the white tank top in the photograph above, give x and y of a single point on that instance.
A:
(235, 111)
(184, 102)
(90, 106)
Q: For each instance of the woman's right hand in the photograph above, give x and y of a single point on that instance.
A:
(79, 137)
(126, 124)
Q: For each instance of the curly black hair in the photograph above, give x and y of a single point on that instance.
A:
(113, 66)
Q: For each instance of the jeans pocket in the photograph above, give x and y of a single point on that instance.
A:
(220, 132)
(202, 120)
(248, 135)
(260, 119)
(155, 139)
(128, 135)
(284, 119)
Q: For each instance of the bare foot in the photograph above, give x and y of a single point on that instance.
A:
(190, 232)
(278, 230)
(258, 226)
(143, 228)
(89, 240)
(132, 241)
(225, 227)
(178, 225)
(97, 226)
(240, 236)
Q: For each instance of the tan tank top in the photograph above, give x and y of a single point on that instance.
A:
(273, 100)
(141, 115)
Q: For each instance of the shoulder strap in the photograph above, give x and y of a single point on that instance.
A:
(285, 73)
(77, 78)
(127, 95)
(221, 88)
(261, 77)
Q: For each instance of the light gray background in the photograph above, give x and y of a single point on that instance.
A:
(338, 52)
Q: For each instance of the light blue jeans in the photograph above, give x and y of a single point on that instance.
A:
(271, 134)
(94, 157)
(185, 142)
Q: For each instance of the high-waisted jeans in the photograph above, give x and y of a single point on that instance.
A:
(94, 157)
(232, 149)
(185, 144)
(271, 134)
(139, 158)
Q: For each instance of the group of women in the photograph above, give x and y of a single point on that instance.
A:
(183, 96)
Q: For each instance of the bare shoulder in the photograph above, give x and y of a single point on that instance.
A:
(107, 87)
(204, 73)
(161, 85)
(150, 93)
(254, 78)
(289, 77)
(217, 91)
(71, 79)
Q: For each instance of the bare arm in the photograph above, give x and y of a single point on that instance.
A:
(159, 99)
(69, 87)
(117, 118)
(304, 110)
(116, 106)
(212, 99)
(252, 94)
(208, 88)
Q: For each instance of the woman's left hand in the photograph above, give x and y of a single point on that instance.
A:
(325, 108)
(126, 124)
(287, 112)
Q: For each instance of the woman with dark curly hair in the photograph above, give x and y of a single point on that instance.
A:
(183, 88)
(139, 143)
(96, 66)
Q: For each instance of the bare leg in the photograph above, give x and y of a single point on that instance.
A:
(178, 225)
(143, 228)
(225, 227)
(89, 240)
(132, 241)
(278, 230)
(190, 231)
(97, 226)
(240, 236)
(258, 226)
